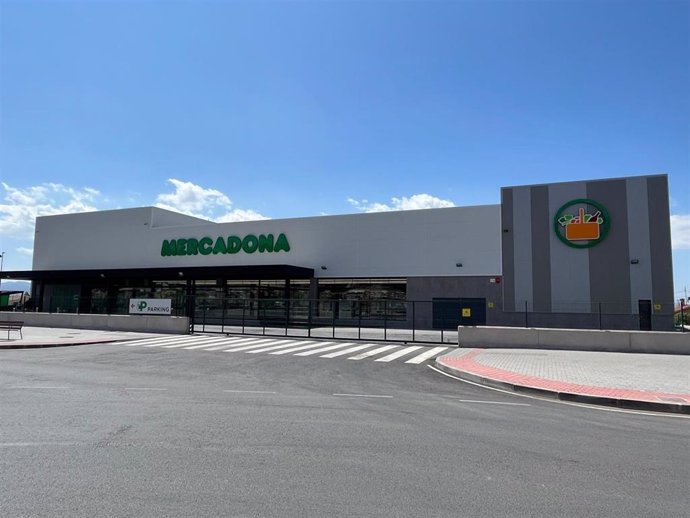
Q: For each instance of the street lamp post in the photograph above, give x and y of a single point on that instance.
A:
(2, 260)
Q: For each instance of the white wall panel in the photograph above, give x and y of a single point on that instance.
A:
(392, 244)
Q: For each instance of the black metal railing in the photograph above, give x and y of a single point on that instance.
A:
(389, 320)
(385, 319)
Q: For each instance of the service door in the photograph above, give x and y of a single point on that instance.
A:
(449, 313)
(645, 309)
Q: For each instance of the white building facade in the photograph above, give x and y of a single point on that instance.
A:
(566, 254)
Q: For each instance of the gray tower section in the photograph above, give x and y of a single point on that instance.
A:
(557, 285)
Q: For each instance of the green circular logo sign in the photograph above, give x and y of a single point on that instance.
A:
(582, 223)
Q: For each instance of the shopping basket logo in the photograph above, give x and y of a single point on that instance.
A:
(582, 223)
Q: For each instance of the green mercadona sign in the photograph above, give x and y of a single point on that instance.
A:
(225, 245)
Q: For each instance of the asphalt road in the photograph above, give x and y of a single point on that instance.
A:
(106, 430)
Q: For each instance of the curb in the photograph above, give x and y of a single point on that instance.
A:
(628, 404)
(44, 346)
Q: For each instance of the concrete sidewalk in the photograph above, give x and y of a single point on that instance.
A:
(656, 382)
(56, 337)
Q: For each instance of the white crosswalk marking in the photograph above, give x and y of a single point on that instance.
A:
(177, 345)
(257, 345)
(324, 349)
(426, 355)
(143, 341)
(245, 339)
(226, 341)
(398, 354)
(184, 341)
(301, 348)
(210, 342)
(346, 351)
(373, 352)
(379, 352)
(163, 339)
(233, 344)
(224, 345)
(283, 345)
(237, 343)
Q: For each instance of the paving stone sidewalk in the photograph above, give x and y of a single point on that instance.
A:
(54, 337)
(653, 378)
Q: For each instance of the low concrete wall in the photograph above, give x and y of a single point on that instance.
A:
(137, 323)
(574, 339)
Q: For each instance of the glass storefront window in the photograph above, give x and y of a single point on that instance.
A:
(362, 299)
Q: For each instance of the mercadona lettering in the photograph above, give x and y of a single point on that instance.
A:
(221, 245)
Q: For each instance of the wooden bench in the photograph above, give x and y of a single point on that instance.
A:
(11, 326)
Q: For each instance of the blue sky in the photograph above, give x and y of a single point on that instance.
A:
(281, 109)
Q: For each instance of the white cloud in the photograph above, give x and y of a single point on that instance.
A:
(414, 202)
(194, 200)
(240, 215)
(20, 207)
(25, 251)
(680, 231)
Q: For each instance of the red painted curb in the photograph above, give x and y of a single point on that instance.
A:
(468, 364)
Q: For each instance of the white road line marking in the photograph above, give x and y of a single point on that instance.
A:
(183, 343)
(143, 341)
(144, 388)
(301, 348)
(398, 354)
(252, 338)
(238, 338)
(324, 349)
(271, 342)
(214, 341)
(236, 345)
(38, 388)
(362, 395)
(200, 346)
(247, 341)
(250, 391)
(426, 355)
(240, 341)
(230, 339)
(207, 342)
(201, 339)
(168, 340)
(373, 352)
(258, 345)
(283, 345)
(561, 402)
(346, 351)
(223, 346)
(492, 402)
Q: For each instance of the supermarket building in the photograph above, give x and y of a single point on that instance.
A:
(583, 254)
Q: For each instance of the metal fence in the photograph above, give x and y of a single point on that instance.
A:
(432, 321)
(387, 320)
(642, 315)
